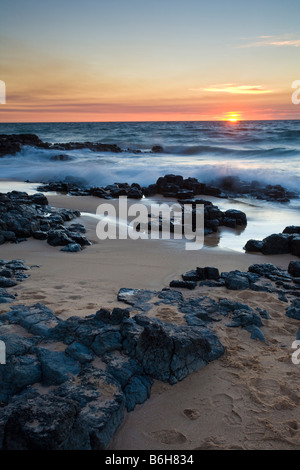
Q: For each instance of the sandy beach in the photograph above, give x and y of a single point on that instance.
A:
(245, 400)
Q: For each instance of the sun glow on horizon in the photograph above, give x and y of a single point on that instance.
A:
(232, 117)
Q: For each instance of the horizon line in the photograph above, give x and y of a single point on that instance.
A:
(150, 121)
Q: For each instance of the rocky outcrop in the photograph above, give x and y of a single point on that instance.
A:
(233, 186)
(23, 216)
(98, 366)
(278, 243)
(86, 399)
(13, 143)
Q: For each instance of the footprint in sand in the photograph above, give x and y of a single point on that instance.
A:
(38, 297)
(169, 436)
(191, 413)
(292, 427)
(224, 404)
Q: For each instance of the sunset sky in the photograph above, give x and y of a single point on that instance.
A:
(138, 60)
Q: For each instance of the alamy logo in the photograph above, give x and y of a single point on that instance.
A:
(296, 354)
(2, 353)
(2, 92)
(296, 94)
(162, 222)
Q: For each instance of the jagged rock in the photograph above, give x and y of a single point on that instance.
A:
(276, 244)
(58, 238)
(18, 373)
(169, 353)
(46, 422)
(76, 228)
(15, 344)
(79, 352)
(190, 276)
(135, 193)
(294, 268)
(108, 339)
(101, 403)
(170, 296)
(40, 235)
(236, 281)
(256, 333)
(37, 319)
(137, 391)
(292, 229)
(5, 297)
(56, 366)
(132, 296)
(211, 273)
(78, 238)
(157, 149)
(254, 245)
(245, 318)
(39, 199)
(5, 282)
(183, 284)
(72, 248)
(23, 216)
(116, 317)
(239, 216)
(295, 246)
(294, 310)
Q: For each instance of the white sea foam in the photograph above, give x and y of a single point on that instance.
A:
(267, 151)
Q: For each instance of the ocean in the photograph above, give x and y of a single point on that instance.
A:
(267, 151)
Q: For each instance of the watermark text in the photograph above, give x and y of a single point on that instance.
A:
(176, 221)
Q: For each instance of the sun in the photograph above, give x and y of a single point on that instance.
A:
(232, 117)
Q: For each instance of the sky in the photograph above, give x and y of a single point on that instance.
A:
(136, 60)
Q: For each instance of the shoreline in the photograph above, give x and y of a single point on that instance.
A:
(112, 264)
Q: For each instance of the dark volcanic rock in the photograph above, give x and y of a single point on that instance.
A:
(37, 319)
(40, 235)
(244, 318)
(233, 186)
(80, 353)
(44, 423)
(23, 216)
(170, 353)
(57, 367)
(276, 244)
(190, 276)
(17, 374)
(183, 284)
(254, 245)
(236, 281)
(157, 149)
(72, 248)
(58, 238)
(5, 282)
(292, 229)
(11, 144)
(295, 246)
(294, 268)
(294, 310)
(239, 216)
